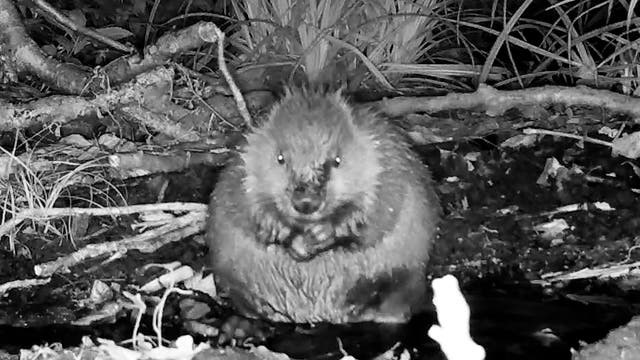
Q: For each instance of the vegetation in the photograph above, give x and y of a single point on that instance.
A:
(406, 44)
(376, 47)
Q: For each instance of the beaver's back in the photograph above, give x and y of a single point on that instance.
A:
(383, 280)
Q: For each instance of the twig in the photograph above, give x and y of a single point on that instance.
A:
(49, 10)
(218, 35)
(530, 131)
(599, 205)
(156, 321)
(242, 105)
(138, 304)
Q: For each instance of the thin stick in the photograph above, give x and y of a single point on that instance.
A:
(530, 131)
(242, 105)
(47, 9)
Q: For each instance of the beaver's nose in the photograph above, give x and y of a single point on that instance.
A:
(306, 199)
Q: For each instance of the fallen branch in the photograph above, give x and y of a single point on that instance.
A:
(61, 109)
(161, 123)
(614, 271)
(130, 165)
(21, 284)
(147, 242)
(51, 213)
(158, 114)
(165, 48)
(27, 57)
(48, 10)
(496, 102)
(125, 165)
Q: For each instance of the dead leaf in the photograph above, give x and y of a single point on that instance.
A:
(114, 32)
(551, 168)
(552, 229)
(627, 146)
(203, 284)
(519, 141)
(109, 141)
(76, 140)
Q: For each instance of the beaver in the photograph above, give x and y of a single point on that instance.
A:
(325, 215)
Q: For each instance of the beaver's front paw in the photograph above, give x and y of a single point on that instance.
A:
(320, 234)
(350, 225)
(270, 230)
(316, 239)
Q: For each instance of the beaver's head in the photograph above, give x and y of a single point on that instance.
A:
(310, 159)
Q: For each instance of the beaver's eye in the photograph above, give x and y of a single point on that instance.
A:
(337, 161)
(280, 159)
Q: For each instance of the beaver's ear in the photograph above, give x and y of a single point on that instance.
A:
(338, 99)
(287, 91)
(340, 91)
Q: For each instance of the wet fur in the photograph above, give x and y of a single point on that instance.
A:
(390, 213)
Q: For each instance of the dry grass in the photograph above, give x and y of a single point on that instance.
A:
(77, 184)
